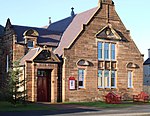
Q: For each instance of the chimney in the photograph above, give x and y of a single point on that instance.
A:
(107, 1)
(50, 20)
(72, 12)
(148, 53)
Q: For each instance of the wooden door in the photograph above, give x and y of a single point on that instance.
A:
(42, 92)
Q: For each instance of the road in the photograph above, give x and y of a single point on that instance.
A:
(76, 110)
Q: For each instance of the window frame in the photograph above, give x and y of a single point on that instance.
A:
(30, 44)
(100, 79)
(130, 79)
(113, 51)
(114, 79)
(100, 50)
(83, 78)
(106, 51)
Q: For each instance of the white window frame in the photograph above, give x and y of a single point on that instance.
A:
(100, 79)
(105, 84)
(113, 51)
(101, 50)
(114, 79)
(107, 79)
(107, 48)
(130, 79)
(82, 78)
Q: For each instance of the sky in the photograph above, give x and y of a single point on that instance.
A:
(135, 14)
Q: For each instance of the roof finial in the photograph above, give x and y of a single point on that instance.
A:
(72, 12)
(50, 20)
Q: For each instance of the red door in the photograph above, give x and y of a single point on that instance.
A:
(42, 89)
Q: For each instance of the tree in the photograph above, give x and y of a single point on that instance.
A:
(15, 83)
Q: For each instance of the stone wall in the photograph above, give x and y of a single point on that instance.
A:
(31, 79)
(85, 47)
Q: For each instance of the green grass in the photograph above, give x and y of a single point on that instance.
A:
(103, 105)
(6, 106)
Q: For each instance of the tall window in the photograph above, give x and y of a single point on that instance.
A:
(107, 72)
(113, 79)
(106, 76)
(113, 52)
(7, 63)
(81, 78)
(130, 80)
(106, 51)
(100, 77)
(100, 50)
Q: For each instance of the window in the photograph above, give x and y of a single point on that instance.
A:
(81, 78)
(106, 76)
(7, 63)
(106, 51)
(99, 50)
(106, 79)
(107, 65)
(113, 79)
(30, 44)
(100, 77)
(113, 54)
(130, 83)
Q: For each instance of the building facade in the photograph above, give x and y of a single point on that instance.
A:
(87, 55)
(147, 70)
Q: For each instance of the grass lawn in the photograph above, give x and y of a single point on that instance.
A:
(105, 105)
(6, 106)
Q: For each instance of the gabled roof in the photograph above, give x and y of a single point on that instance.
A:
(147, 62)
(45, 37)
(39, 55)
(61, 26)
(74, 29)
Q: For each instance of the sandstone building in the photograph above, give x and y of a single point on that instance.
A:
(79, 58)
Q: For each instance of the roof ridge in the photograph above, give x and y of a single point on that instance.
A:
(31, 27)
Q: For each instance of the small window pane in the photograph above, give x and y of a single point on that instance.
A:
(113, 79)
(100, 79)
(113, 54)
(106, 76)
(99, 50)
(106, 51)
(30, 44)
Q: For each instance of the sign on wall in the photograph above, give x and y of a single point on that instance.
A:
(71, 83)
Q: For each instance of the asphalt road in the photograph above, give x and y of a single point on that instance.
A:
(75, 110)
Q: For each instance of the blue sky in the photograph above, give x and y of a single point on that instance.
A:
(134, 14)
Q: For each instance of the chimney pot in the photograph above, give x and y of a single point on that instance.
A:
(148, 53)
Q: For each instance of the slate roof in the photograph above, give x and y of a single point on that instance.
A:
(1, 30)
(74, 29)
(29, 55)
(45, 37)
(147, 62)
(61, 26)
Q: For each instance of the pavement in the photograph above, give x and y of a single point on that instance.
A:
(77, 110)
